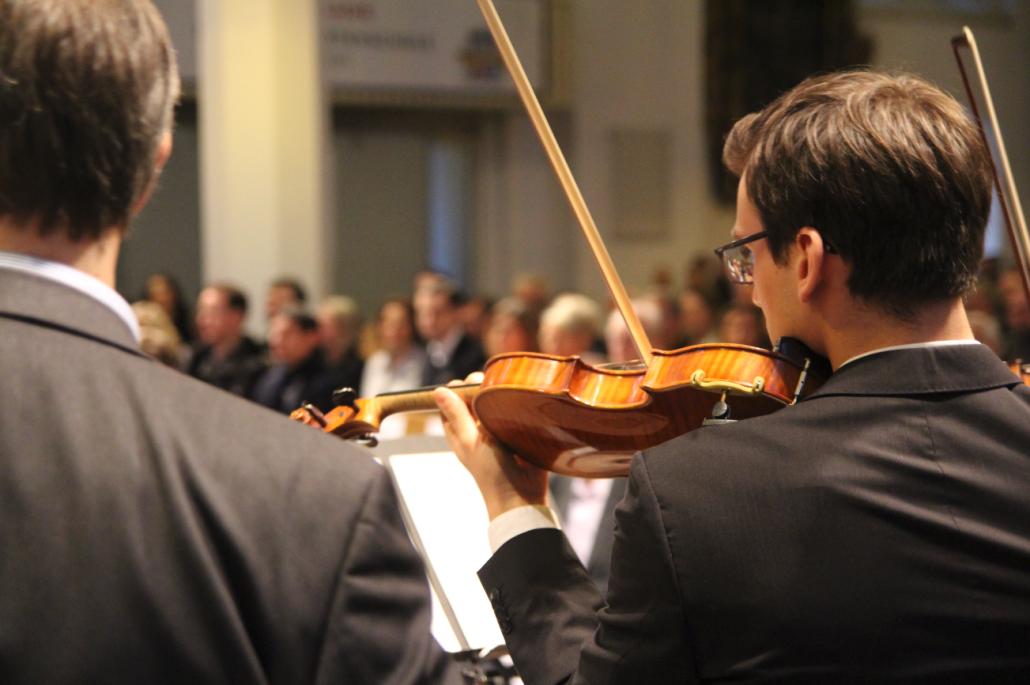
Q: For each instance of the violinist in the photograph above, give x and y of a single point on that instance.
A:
(878, 530)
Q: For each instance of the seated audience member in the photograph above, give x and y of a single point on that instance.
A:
(617, 339)
(163, 290)
(569, 326)
(158, 335)
(224, 355)
(339, 323)
(533, 290)
(283, 293)
(474, 314)
(697, 319)
(399, 362)
(513, 328)
(742, 324)
(450, 351)
(298, 373)
(667, 334)
(1016, 310)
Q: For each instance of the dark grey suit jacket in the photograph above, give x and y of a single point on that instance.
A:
(156, 530)
(878, 531)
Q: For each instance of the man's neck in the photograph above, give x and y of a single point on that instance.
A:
(865, 330)
(98, 258)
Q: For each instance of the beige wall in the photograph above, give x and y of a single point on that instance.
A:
(633, 66)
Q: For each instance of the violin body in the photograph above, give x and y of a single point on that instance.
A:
(572, 418)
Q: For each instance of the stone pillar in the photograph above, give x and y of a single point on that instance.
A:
(264, 137)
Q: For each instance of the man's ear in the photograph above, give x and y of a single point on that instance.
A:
(811, 264)
(161, 155)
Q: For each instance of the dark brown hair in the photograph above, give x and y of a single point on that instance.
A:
(887, 167)
(86, 91)
(235, 299)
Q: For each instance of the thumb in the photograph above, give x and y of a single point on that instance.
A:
(456, 416)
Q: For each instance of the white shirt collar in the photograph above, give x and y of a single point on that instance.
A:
(75, 279)
(911, 346)
(440, 351)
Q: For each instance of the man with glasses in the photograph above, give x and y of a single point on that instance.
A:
(878, 530)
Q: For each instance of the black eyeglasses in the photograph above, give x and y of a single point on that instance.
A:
(740, 260)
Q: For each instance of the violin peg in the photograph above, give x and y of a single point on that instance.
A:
(345, 397)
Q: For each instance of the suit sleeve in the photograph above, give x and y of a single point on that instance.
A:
(378, 627)
(556, 625)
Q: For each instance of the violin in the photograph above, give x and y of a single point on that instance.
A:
(569, 417)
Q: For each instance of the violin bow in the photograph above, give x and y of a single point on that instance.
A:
(1008, 198)
(568, 183)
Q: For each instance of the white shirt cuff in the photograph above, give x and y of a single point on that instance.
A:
(518, 521)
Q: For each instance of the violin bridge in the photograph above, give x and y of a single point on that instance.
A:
(802, 379)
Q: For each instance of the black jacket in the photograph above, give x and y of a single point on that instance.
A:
(155, 530)
(878, 531)
(236, 373)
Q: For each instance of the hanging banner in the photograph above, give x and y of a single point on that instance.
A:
(428, 45)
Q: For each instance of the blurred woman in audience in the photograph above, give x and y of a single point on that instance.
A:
(617, 338)
(399, 363)
(164, 290)
(570, 326)
(158, 337)
(512, 328)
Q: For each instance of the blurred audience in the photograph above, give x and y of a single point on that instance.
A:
(1015, 316)
(223, 355)
(706, 275)
(451, 352)
(617, 338)
(533, 291)
(298, 373)
(743, 325)
(697, 319)
(339, 323)
(158, 336)
(570, 326)
(474, 315)
(164, 290)
(512, 328)
(284, 292)
(400, 361)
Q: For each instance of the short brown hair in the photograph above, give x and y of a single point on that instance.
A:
(86, 91)
(887, 167)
